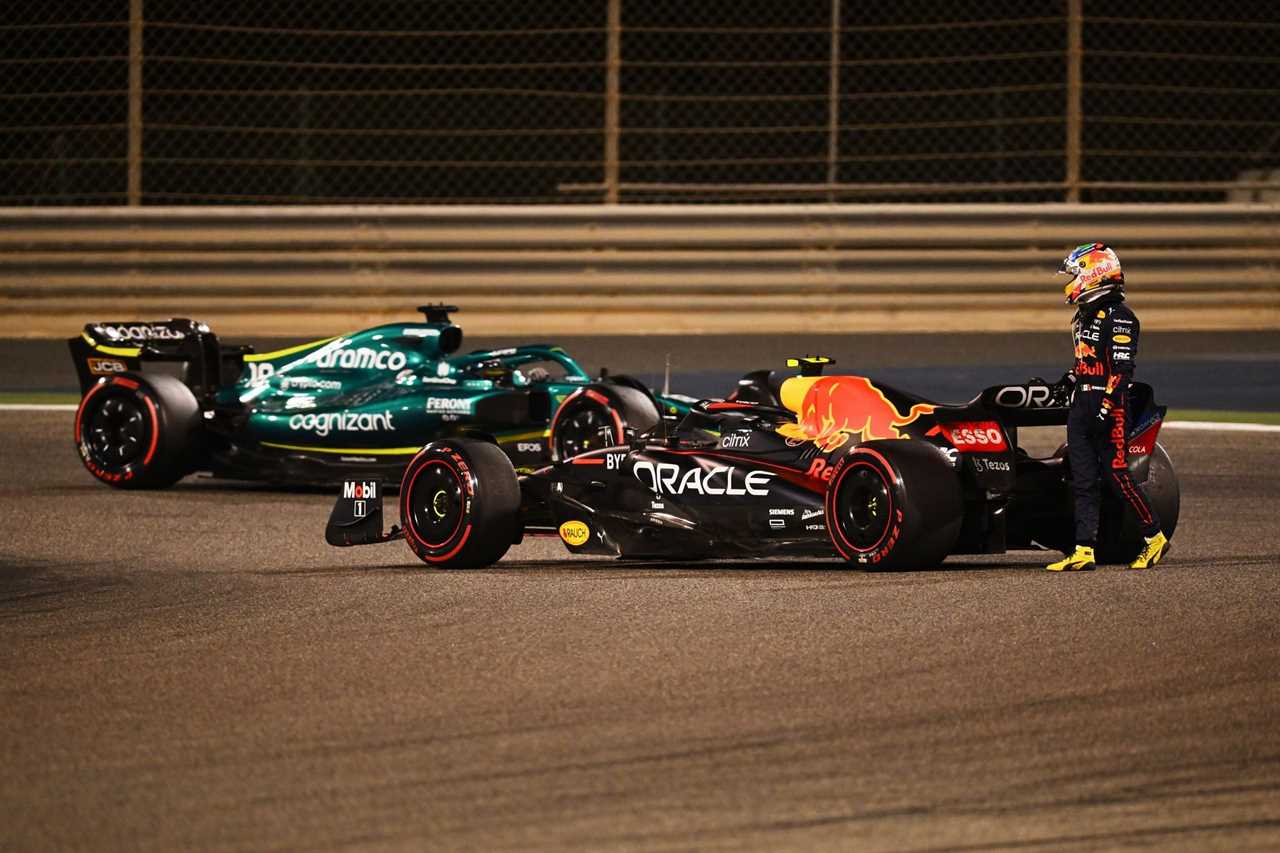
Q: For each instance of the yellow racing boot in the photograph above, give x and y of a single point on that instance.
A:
(1153, 552)
(1080, 561)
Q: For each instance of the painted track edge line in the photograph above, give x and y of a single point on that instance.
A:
(38, 407)
(1225, 426)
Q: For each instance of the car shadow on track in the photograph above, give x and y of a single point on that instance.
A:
(605, 569)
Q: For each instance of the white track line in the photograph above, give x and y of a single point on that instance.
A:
(1223, 426)
(38, 407)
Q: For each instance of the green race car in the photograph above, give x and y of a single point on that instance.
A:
(355, 405)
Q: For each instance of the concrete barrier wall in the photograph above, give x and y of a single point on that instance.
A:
(629, 269)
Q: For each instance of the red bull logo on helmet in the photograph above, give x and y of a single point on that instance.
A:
(831, 410)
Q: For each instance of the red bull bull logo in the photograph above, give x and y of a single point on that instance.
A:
(1083, 350)
(831, 410)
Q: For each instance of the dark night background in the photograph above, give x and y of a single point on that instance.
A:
(503, 101)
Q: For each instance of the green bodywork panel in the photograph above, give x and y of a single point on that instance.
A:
(390, 389)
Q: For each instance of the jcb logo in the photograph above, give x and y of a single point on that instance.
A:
(105, 366)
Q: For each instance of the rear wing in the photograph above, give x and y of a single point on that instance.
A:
(1035, 404)
(105, 349)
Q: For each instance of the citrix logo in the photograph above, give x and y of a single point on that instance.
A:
(665, 478)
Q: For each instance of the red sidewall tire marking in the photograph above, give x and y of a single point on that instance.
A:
(833, 529)
(84, 402)
(155, 430)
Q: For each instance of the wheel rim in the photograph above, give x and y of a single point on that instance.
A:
(117, 432)
(437, 504)
(584, 429)
(863, 508)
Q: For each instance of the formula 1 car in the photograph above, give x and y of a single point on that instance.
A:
(788, 465)
(361, 404)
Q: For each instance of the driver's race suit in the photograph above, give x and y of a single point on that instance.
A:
(1105, 334)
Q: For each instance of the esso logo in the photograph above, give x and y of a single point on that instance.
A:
(976, 436)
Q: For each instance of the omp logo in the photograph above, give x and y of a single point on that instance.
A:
(575, 533)
(105, 366)
(666, 478)
(456, 405)
(360, 490)
(325, 422)
(362, 358)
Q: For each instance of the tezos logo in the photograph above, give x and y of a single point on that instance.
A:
(575, 533)
(361, 358)
(666, 478)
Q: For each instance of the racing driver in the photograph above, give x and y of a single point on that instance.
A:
(1105, 333)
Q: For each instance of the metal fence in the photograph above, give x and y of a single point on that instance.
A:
(509, 101)
(635, 269)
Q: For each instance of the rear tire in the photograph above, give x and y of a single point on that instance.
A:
(894, 504)
(136, 431)
(460, 504)
(598, 416)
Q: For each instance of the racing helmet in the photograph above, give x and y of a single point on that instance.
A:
(1094, 270)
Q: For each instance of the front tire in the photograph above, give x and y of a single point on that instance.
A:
(598, 416)
(460, 504)
(894, 504)
(135, 431)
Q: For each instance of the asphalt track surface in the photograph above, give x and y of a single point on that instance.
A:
(196, 669)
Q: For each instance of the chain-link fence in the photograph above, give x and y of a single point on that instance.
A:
(507, 101)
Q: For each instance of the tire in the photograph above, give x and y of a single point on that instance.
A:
(1119, 534)
(460, 504)
(599, 416)
(136, 431)
(893, 504)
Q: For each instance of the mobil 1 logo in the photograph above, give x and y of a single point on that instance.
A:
(357, 514)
